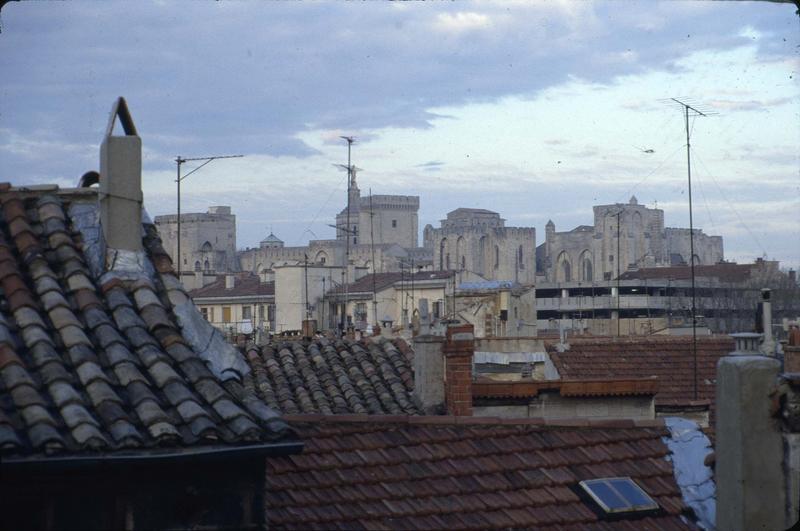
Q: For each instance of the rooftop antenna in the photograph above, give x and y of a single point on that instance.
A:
(179, 161)
(372, 250)
(347, 231)
(686, 109)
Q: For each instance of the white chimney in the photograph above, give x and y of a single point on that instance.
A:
(230, 281)
(121, 183)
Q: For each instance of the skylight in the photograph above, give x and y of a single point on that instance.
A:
(618, 495)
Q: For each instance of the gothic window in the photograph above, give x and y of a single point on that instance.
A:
(447, 261)
(394, 223)
(206, 247)
(463, 263)
(207, 266)
(564, 268)
(496, 256)
(520, 263)
(197, 266)
(567, 269)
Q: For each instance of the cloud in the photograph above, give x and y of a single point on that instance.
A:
(749, 105)
(461, 21)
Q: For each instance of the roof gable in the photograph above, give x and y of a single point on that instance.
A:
(89, 366)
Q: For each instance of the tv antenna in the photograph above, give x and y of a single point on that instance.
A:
(687, 109)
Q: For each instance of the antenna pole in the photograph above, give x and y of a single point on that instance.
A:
(372, 249)
(178, 162)
(686, 109)
(349, 140)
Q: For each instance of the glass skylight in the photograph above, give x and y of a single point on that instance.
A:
(618, 495)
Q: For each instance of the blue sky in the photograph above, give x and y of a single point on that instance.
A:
(537, 110)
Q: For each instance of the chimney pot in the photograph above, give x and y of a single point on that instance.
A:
(747, 344)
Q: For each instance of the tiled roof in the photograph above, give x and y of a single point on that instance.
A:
(670, 359)
(335, 377)
(487, 388)
(384, 280)
(90, 367)
(372, 472)
(245, 285)
(724, 272)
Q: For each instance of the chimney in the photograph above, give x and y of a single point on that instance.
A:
(121, 183)
(751, 485)
(458, 350)
(230, 281)
(746, 344)
(793, 276)
(428, 368)
(768, 344)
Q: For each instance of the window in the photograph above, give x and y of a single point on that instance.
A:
(437, 309)
(496, 256)
(212, 315)
(355, 240)
(204, 312)
(394, 223)
(271, 312)
(361, 311)
(611, 258)
(197, 266)
(226, 314)
(618, 495)
(520, 257)
(246, 312)
(261, 312)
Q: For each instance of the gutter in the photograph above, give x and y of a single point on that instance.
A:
(180, 456)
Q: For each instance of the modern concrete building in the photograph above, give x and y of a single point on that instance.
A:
(658, 300)
(623, 236)
(477, 240)
(208, 240)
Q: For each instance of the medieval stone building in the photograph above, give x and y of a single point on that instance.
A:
(208, 240)
(390, 221)
(623, 236)
(477, 240)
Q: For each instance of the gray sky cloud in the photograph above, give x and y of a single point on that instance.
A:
(279, 82)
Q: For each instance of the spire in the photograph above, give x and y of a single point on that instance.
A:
(633, 200)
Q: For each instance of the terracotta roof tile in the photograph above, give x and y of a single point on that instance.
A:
(245, 285)
(420, 472)
(669, 359)
(80, 370)
(334, 377)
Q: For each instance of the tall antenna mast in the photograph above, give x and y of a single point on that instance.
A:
(372, 249)
(685, 108)
(349, 140)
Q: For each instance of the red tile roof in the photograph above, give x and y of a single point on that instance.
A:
(724, 272)
(380, 472)
(670, 359)
(384, 280)
(92, 365)
(334, 377)
(245, 285)
(485, 388)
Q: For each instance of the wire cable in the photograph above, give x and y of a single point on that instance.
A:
(730, 204)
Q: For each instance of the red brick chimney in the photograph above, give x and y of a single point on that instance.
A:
(458, 350)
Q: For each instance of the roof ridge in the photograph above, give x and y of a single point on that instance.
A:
(449, 420)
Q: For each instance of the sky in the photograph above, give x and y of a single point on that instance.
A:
(536, 110)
